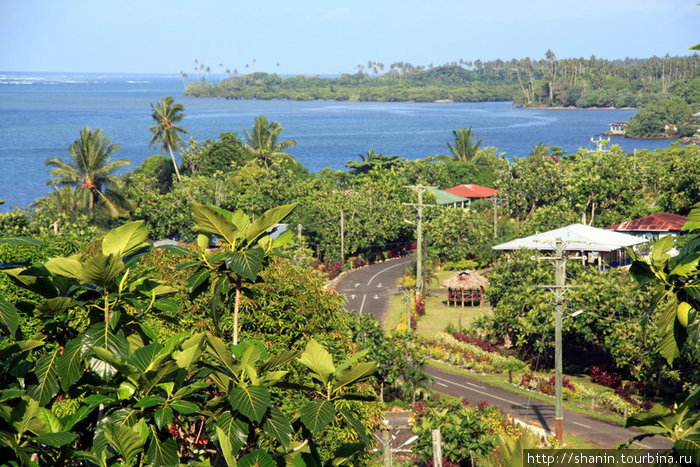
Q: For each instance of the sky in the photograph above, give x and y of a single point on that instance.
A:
(329, 37)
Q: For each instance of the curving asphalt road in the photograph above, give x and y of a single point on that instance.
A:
(369, 289)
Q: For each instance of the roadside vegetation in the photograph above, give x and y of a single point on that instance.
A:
(222, 346)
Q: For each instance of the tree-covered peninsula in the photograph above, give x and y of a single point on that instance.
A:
(550, 82)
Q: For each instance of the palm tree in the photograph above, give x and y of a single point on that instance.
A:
(263, 145)
(372, 161)
(465, 148)
(89, 168)
(166, 132)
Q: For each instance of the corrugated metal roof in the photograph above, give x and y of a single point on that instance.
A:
(576, 237)
(472, 190)
(663, 222)
(445, 197)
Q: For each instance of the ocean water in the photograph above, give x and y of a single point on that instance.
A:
(42, 114)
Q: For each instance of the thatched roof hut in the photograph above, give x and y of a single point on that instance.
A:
(465, 287)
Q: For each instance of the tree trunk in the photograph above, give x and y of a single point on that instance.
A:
(236, 306)
(172, 156)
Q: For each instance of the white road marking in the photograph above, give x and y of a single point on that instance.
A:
(581, 424)
(384, 270)
(379, 285)
(352, 297)
(362, 305)
(357, 284)
(440, 384)
(376, 297)
(480, 392)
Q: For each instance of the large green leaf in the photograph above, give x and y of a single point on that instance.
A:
(355, 374)
(50, 420)
(126, 441)
(208, 220)
(56, 440)
(693, 222)
(197, 282)
(68, 267)
(258, 458)
(70, 364)
(318, 360)
(101, 269)
(227, 448)
(9, 316)
(235, 430)
(220, 352)
(659, 254)
(269, 218)
(47, 377)
(246, 263)
(54, 306)
(144, 356)
(316, 415)
(99, 336)
(163, 416)
(180, 250)
(24, 417)
(162, 453)
(126, 239)
(358, 426)
(686, 265)
(251, 401)
(277, 424)
(239, 219)
(184, 407)
(191, 351)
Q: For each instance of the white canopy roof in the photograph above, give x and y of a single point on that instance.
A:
(576, 237)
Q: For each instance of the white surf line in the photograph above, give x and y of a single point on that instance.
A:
(362, 305)
(581, 424)
(480, 392)
(384, 270)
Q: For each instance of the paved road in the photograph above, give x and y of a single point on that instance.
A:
(537, 413)
(369, 289)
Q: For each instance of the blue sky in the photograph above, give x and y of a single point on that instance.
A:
(313, 36)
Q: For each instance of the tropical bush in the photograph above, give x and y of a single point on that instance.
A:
(96, 384)
(464, 433)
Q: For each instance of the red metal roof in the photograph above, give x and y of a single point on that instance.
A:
(663, 221)
(472, 190)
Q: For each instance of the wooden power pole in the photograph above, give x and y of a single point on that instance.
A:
(559, 288)
(419, 189)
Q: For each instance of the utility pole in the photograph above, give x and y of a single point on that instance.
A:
(495, 216)
(419, 189)
(342, 236)
(559, 261)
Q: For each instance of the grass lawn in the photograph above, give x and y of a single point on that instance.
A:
(438, 315)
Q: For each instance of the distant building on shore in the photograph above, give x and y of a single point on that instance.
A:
(617, 128)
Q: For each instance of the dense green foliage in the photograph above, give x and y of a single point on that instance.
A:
(97, 384)
(550, 81)
(668, 117)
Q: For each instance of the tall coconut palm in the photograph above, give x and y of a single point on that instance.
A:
(90, 168)
(165, 132)
(263, 146)
(465, 148)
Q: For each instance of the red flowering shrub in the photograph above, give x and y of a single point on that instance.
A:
(600, 376)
